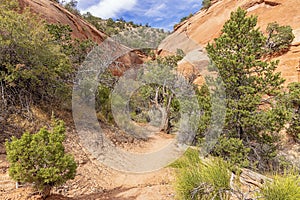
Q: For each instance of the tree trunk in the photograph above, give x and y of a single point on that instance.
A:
(167, 124)
(46, 191)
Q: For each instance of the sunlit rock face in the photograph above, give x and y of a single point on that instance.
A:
(206, 25)
(52, 12)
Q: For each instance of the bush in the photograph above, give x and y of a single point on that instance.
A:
(41, 159)
(286, 187)
(294, 101)
(75, 49)
(32, 66)
(103, 104)
(233, 151)
(72, 7)
(206, 4)
(279, 38)
(199, 180)
(186, 17)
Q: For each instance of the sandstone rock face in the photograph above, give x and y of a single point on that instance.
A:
(52, 12)
(206, 25)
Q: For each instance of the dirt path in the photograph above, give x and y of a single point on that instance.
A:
(96, 181)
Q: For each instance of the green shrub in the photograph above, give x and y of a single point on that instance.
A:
(74, 48)
(103, 104)
(32, 66)
(279, 37)
(41, 159)
(200, 180)
(286, 187)
(206, 4)
(186, 17)
(294, 103)
(233, 151)
(72, 7)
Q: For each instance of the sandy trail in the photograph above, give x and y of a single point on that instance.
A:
(96, 181)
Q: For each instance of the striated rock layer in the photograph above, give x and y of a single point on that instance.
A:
(52, 12)
(206, 25)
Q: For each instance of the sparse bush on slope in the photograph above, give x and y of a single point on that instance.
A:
(206, 4)
(279, 37)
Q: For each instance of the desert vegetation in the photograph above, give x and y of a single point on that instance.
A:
(256, 110)
(38, 62)
(40, 158)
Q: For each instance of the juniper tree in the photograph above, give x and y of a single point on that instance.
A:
(251, 86)
(41, 159)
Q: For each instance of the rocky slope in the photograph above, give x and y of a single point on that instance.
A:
(206, 25)
(52, 12)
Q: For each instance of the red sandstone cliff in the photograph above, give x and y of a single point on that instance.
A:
(206, 25)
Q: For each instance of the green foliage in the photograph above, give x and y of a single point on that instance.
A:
(180, 53)
(206, 4)
(204, 99)
(147, 100)
(103, 97)
(279, 37)
(294, 104)
(170, 61)
(72, 7)
(61, 34)
(233, 151)
(158, 96)
(32, 66)
(141, 37)
(40, 158)
(247, 79)
(74, 48)
(286, 187)
(93, 20)
(187, 17)
(201, 180)
(110, 26)
(183, 19)
(80, 49)
(103, 104)
(140, 103)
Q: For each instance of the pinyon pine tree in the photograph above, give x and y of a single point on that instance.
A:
(251, 87)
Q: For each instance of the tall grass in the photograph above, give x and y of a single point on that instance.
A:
(285, 187)
(201, 180)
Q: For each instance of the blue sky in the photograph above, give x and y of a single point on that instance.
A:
(159, 14)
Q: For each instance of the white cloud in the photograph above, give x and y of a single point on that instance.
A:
(156, 10)
(158, 19)
(110, 8)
